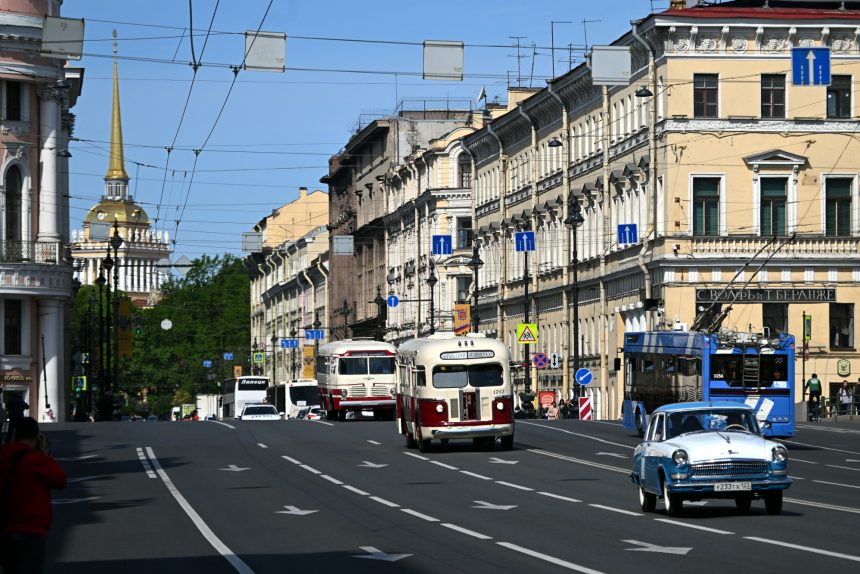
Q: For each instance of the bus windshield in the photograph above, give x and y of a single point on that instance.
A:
(307, 394)
(459, 376)
(729, 369)
(252, 384)
(359, 366)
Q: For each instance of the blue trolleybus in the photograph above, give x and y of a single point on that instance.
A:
(662, 367)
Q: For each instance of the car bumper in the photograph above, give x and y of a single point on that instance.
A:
(759, 485)
(471, 432)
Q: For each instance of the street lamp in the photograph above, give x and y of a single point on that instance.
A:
(100, 282)
(107, 264)
(574, 221)
(115, 242)
(274, 340)
(474, 264)
(293, 334)
(316, 326)
(431, 282)
(644, 92)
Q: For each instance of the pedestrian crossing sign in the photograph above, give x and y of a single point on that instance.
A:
(527, 333)
(259, 358)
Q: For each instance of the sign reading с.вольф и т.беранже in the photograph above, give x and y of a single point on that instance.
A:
(766, 295)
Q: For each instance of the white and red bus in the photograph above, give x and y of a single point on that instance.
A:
(455, 388)
(356, 375)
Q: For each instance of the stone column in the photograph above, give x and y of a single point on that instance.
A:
(50, 363)
(50, 206)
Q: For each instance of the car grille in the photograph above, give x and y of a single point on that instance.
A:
(729, 469)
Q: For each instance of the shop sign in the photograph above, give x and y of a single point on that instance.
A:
(811, 295)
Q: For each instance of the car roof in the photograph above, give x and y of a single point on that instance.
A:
(682, 407)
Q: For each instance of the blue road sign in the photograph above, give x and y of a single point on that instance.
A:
(810, 66)
(628, 233)
(583, 376)
(442, 245)
(524, 240)
(393, 301)
(228, 356)
(314, 335)
(207, 364)
(541, 360)
(289, 343)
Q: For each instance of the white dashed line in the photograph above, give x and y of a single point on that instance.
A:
(512, 485)
(331, 479)
(443, 465)
(822, 505)
(356, 490)
(550, 559)
(373, 442)
(836, 484)
(323, 423)
(705, 528)
(310, 469)
(419, 515)
(560, 497)
(291, 459)
(385, 502)
(805, 548)
(223, 424)
(466, 531)
(145, 462)
(261, 445)
(627, 512)
(793, 459)
(844, 467)
(418, 456)
(476, 475)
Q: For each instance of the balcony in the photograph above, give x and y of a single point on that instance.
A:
(35, 268)
(747, 246)
(29, 252)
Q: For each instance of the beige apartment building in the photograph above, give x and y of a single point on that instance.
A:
(711, 151)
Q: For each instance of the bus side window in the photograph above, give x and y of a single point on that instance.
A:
(420, 379)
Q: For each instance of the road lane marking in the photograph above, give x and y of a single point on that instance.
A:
(476, 475)
(793, 459)
(822, 505)
(550, 559)
(419, 515)
(466, 531)
(443, 465)
(512, 485)
(648, 547)
(207, 533)
(291, 459)
(309, 469)
(385, 502)
(356, 490)
(559, 497)
(844, 467)
(412, 454)
(580, 461)
(836, 484)
(705, 528)
(261, 445)
(604, 441)
(611, 509)
(322, 423)
(805, 548)
(145, 463)
(374, 442)
(822, 447)
(331, 479)
(73, 500)
(223, 424)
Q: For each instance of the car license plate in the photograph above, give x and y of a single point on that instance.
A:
(731, 486)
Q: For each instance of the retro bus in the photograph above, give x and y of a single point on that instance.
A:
(662, 367)
(356, 375)
(451, 387)
(294, 395)
(241, 390)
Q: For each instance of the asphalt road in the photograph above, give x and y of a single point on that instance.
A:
(301, 496)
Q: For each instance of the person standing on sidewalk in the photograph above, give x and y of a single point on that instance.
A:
(857, 397)
(845, 397)
(27, 475)
(813, 386)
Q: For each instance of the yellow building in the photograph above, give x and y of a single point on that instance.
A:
(711, 151)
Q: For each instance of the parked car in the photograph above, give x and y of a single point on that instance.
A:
(152, 418)
(693, 451)
(259, 412)
(311, 414)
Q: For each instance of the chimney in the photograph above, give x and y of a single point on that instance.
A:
(303, 192)
(678, 5)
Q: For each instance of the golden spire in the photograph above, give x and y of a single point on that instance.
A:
(116, 168)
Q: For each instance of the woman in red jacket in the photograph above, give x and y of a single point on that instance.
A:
(27, 475)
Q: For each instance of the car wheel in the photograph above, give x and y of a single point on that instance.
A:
(647, 501)
(674, 504)
(743, 502)
(639, 430)
(773, 502)
(508, 442)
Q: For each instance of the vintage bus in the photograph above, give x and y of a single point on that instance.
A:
(241, 390)
(662, 367)
(452, 387)
(356, 375)
(294, 395)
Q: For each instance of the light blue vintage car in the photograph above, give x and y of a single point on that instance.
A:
(693, 451)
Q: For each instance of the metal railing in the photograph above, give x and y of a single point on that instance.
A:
(834, 409)
(12, 251)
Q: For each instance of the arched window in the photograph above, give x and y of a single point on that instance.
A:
(14, 198)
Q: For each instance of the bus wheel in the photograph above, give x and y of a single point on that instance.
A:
(341, 415)
(423, 443)
(410, 440)
(507, 442)
(773, 502)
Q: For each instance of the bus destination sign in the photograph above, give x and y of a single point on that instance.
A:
(460, 355)
(766, 295)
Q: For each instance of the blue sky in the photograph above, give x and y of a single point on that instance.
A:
(277, 131)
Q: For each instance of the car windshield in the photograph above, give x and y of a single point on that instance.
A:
(724, 420)
(261, 410)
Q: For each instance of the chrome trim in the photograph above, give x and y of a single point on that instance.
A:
(471, 432)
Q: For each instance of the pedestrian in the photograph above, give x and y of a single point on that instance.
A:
(845, 398)
(563, 409)
(552, 412)
(813, 385)
(3, 419)
(15, 407)
(857, 397)
(27, 475)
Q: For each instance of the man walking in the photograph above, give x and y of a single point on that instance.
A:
(27, 475)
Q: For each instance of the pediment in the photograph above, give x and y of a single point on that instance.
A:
(775, 158)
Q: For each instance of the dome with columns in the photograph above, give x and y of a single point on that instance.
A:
(124, 212)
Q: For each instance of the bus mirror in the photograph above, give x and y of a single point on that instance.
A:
(616, 364)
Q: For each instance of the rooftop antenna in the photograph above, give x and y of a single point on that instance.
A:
(532, 73)
(519, 58)
(585, 24)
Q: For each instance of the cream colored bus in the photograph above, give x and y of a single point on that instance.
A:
(455, 388)
(356, 375)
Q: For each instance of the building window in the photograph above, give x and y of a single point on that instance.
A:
(773, 201)
(706, 206)
(464, 284)
(837, 207)
(12, 320)
(775, 317)
(839, 97)
(842, 325)
(464, 171)
(12, 246)
(464, 233)
(14, 107)
(772, 96)
(705, 92)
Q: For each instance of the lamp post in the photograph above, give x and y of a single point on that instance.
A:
(475, 264)
(431, 282)
(293, 334)
(115, 242)
(316, 326)
(100, 282)
(88, 369)
(107, 264)
(274, 358)
(526, 363)
(574, 220)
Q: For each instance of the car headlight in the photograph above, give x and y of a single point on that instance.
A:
(440, 408)
(780, 453)
(679, 457)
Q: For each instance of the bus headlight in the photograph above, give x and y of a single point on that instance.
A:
(780, 453)
(500, 406)
(392, 391)
(344, 393)
(679, 457)
(440, 408)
